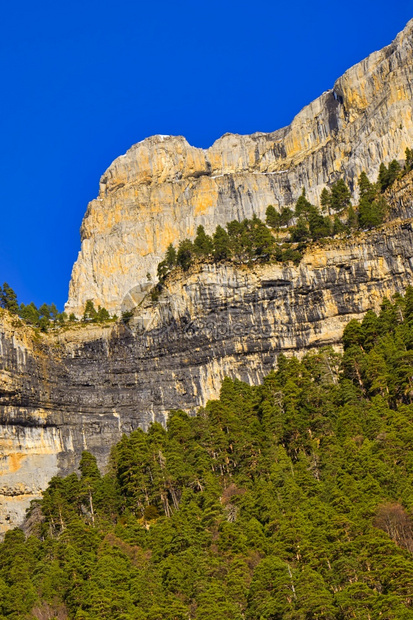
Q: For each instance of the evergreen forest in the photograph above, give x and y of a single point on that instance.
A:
(291, 500)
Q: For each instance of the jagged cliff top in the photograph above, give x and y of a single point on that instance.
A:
(352, 87)
(163, 188)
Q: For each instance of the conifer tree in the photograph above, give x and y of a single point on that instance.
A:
(383, 178)
(340, 196)
(286, 500)
(221, 244)
(325, 200)
(319, 226)
(29, 313)
(8, 299)
(303, 206)
(394, 171)
(203, 244)
(102, 315)
(286, 216)
(409, 159)
(90, 313)
(170, 256)
(387, 176)
(300, 231)
(272, 218)
(185, 254)
(338, 226)
(352, 220)
(366, 189)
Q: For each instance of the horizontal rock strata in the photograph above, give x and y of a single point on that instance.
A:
(163, 188)
(82, 388)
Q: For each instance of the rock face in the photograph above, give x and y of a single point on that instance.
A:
(163, 188)
(82, 388)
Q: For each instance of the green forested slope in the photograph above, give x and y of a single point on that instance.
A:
(290, 500)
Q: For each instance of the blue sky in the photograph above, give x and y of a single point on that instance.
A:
(83, 81)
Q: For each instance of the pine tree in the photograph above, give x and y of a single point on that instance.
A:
(287, 500)
(170, 256)
(383, 178)
(29, 313)
(352, 219)
(102, 315)
(338, 226)
(185, 254)
(221, 244)
(409, 159)
(90, 313)
(262, 239)
(272, 591)
(366, 189)
(408, 299)
(272, 218)
(286, 216)
(203, 244)
(303, 206)
(394, 171)
(53, 312)
(8, 299)
(325, 200)
(88, 466)
(372, 213)
(319, 226)
(44, 311)
(61, 318)
(90, 478)
(300, 231)
(340, 196)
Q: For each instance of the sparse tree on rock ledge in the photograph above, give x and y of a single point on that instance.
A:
(185, 254)
(90, 313)
(340, 196)
(221, 244)
(203, 245)
(8, 299)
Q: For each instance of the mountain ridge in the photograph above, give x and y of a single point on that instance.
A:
(162, 188)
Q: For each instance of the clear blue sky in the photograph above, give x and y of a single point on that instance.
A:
(83, 81)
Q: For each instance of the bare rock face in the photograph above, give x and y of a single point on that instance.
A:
(81, 388)
(163, 188)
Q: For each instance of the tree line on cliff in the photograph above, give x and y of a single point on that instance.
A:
(248, 241)
(253, 240)
(291, 500)
(47, 315)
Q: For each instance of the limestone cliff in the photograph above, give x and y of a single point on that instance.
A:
(81, 388)
(163, 188)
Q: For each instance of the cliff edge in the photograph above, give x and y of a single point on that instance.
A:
(163, 188)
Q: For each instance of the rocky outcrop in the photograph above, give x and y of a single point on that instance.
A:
(81, 388)
(42, 429)
(163, 188)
